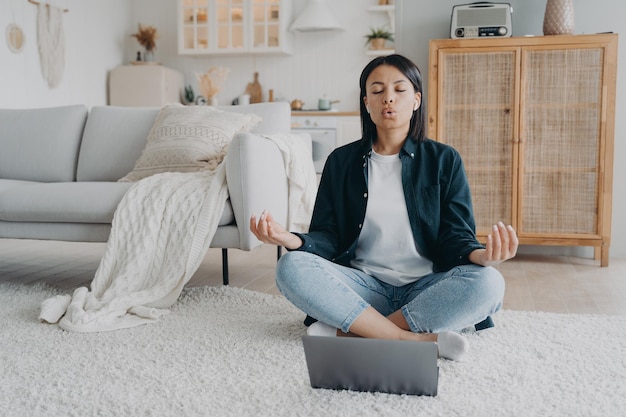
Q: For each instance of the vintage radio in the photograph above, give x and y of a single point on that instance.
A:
(480, 19)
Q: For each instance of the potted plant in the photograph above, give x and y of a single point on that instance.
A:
(378, 37)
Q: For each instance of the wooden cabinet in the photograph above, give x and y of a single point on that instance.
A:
(533, 119)
(233, 26)
(348, 129)
(145, 85)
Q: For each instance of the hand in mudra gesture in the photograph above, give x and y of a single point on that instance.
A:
(501, 245)
(268, 231)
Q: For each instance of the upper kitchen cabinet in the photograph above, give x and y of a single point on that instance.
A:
(233, 26)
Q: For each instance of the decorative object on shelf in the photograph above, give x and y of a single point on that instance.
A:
(210, 83)
(378, 37)
(243, 100)
(559, 17)
(315, 17)
(254, 90)
(296, 104)
(384, 2)
(148, 56)
(324, 103)
(189, 95)
(147, 36)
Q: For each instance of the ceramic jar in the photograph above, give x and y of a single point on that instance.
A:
(559, 17)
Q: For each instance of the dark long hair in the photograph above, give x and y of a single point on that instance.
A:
(417, 127)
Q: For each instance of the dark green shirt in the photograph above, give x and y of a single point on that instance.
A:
(437, 195)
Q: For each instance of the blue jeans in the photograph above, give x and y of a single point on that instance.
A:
(337, 295)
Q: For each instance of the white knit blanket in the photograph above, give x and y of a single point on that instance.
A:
(302, 179)
(160, 233)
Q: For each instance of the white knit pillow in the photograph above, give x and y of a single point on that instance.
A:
(189, 138)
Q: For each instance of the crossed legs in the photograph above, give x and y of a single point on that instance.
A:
(357, 303)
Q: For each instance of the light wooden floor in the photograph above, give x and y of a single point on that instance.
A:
(535, 283)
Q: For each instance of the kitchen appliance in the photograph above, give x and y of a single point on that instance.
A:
(323, 131)
(325, 103)
(481, 19)
(297, 104)
(144, 86)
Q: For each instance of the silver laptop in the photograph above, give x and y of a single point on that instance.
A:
(374, 365)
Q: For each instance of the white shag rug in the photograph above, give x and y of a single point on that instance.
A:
(232, 352)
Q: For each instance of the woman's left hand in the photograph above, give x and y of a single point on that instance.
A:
(501, 245)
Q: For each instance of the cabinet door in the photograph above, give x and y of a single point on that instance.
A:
(348, 129)
(560, 140)
(476, 114)
(230, 23)
(193, 25)
(265, 24)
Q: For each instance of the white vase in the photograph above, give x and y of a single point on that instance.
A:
(148, 56)
(559, 17)
(211, 101)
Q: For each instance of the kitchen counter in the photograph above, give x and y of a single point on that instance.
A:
(309, 113)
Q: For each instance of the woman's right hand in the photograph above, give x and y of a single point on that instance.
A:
(268, 231)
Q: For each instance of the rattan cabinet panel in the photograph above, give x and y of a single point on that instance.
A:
(478, 120)
(534, 121)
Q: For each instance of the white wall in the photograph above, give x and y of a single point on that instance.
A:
(98, 39)
(323, 62)
(94, 39)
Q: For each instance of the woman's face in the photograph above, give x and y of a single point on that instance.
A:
(390, 98)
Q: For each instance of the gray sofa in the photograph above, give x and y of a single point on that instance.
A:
(59, 169)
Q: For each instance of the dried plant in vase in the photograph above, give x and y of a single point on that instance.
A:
(210, 83)
(147, 36)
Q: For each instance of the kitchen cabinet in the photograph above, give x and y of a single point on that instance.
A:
(348, 129)
(533, 119)
(234, 26)
(328, 130)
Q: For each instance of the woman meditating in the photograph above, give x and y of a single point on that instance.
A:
(391, 251)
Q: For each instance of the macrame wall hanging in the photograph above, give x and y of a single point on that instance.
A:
(51, 41)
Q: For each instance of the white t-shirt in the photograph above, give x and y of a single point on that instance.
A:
(386, 248)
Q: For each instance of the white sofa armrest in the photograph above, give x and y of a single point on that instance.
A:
(257, 181)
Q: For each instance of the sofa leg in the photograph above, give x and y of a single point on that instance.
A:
(225, 266)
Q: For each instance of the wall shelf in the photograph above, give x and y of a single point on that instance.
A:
(390, 10)
(380, 52)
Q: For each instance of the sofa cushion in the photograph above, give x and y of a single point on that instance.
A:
(6, 184)
(189, 138)
(68, 202)
(113, 140)
(41, 144)
(65, 202)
